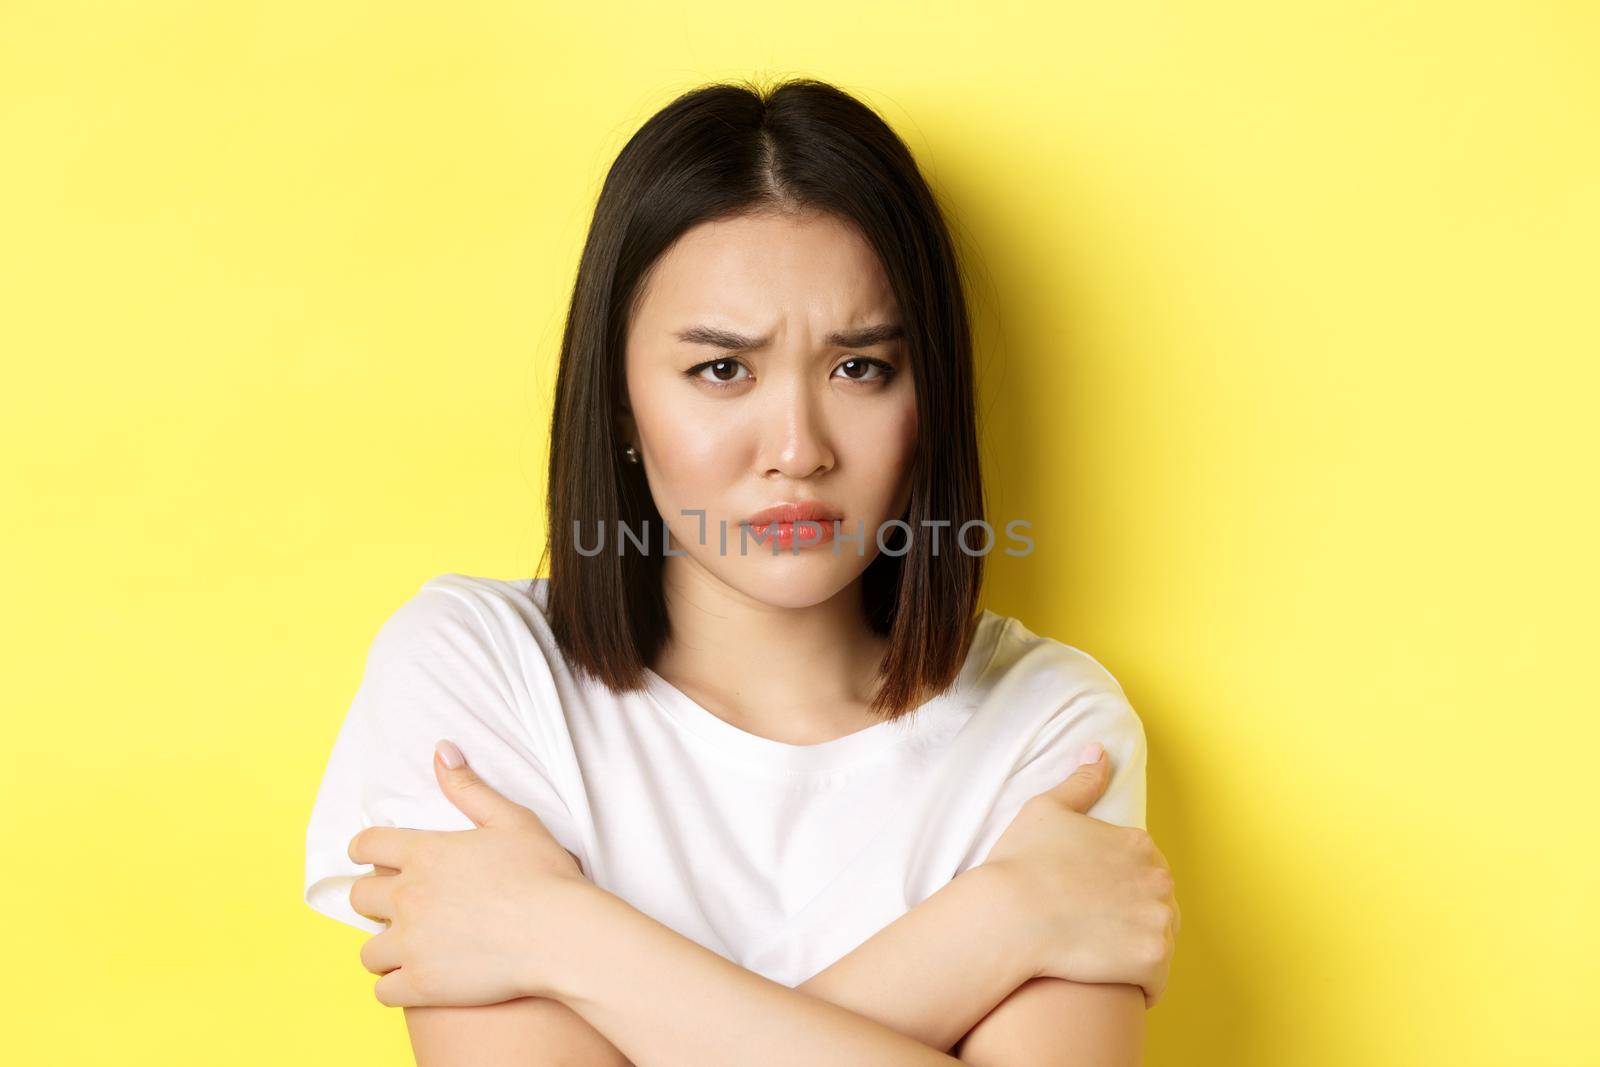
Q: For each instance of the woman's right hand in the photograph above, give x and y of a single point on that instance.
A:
(1100, 895)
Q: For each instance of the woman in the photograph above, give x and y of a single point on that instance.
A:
(781, 747)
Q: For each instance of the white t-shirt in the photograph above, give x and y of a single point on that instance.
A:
(782, 858)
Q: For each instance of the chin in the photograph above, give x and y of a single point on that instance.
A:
(813, 577)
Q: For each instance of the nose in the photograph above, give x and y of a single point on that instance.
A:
(795, 435)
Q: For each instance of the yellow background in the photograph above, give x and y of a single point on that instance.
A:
(1288, 337)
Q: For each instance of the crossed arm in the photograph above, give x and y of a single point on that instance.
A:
(955, 974)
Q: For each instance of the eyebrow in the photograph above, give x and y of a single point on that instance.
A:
(864, 337)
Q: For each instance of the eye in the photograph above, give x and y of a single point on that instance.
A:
(719, 367)
(862, 364)
(724, 371)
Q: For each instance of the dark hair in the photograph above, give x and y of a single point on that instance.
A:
(714, 152)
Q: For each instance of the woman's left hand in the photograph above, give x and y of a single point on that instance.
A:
(470, 912)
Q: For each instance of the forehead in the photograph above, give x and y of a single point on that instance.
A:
(754, 270)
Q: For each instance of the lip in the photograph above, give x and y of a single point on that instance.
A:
(776, 525)
(791, 512)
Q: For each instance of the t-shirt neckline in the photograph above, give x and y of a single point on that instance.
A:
(840, 753)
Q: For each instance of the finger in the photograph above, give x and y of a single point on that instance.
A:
(394, 990)
(1084, 785)
(476, 799)
(372, 895)
(388, 845)
(1155, 987)
(380, 954)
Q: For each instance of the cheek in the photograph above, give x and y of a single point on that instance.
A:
(692, 461)
(886, 446)
(899, 435)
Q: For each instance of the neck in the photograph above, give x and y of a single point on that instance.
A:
(801, 675)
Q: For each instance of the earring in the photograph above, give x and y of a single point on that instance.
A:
(632, 454)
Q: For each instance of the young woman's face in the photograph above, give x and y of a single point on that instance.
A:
(746, 391)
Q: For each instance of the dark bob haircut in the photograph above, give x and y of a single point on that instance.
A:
(715, 152)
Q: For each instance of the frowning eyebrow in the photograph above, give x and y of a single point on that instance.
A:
(865, 337)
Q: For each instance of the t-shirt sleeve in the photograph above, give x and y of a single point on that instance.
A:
(441, 666)
(1097, 711)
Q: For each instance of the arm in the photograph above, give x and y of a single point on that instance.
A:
(934, 972)
(527, 1032)
(956, 964)
(718, 1014)
(665, 1001)
(1050, 1022)
(931, 974)
(925, 975)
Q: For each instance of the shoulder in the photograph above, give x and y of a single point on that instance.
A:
(463, 611)
(1053, 699)
(1062, 684)
(1027, 662)
(462, 637)
(463, 651)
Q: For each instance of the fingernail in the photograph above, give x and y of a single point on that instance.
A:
(450, 754)
(1091, 754)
